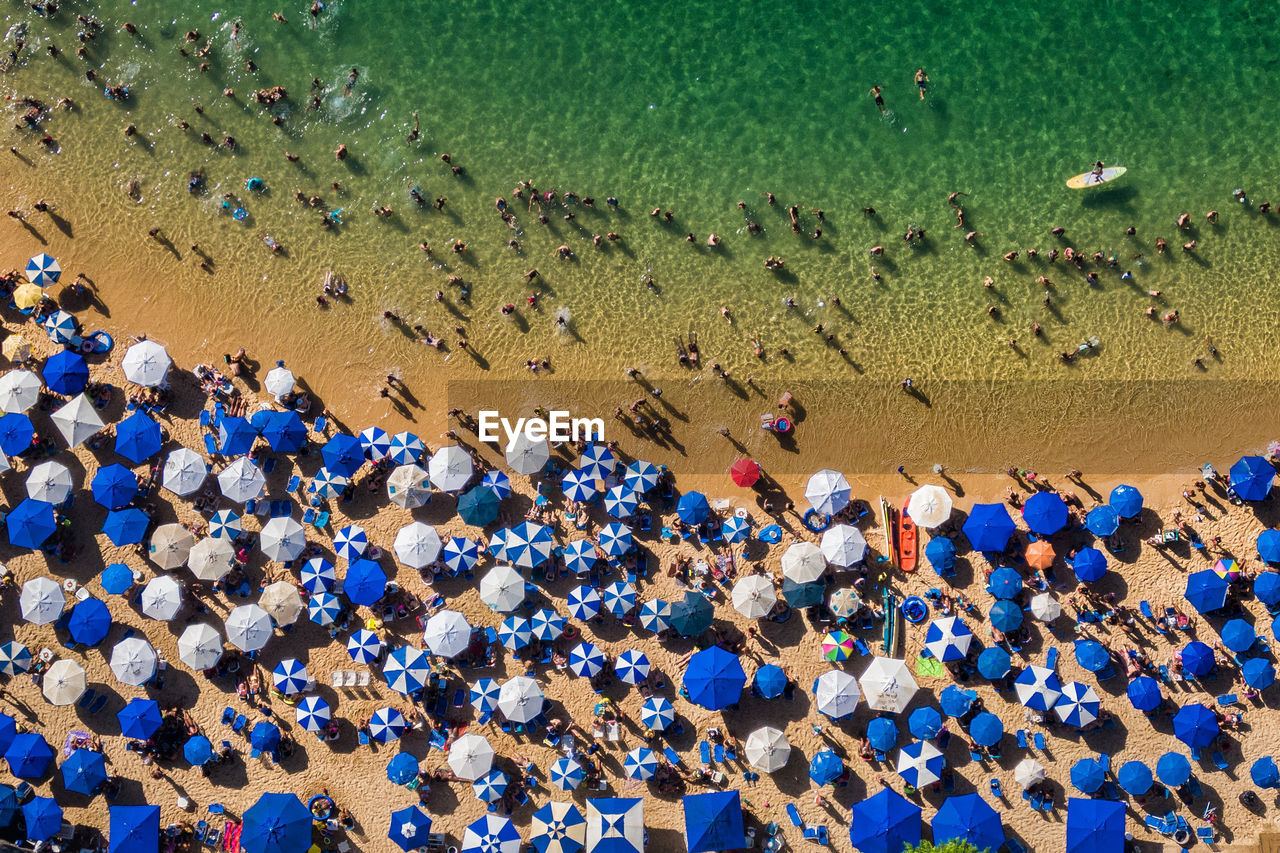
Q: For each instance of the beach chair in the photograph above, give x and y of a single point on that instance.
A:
(228, 714)
(322, 520)
(98, 704)
(1013, 845)
(364, 738)
(1195, 753)
(321, 423)
(238, 724)
(1051, 658)
(1022, 738)
(1193, 787)
(704, 751)
(1158, 824)
(363, 678)
(1228, 699)
(817, 834)
(1037, 801)
(996, 790)
(794, 814)
(976, 756)
(294, 482)
(349, 677)
(1104, 761)
(204, 417)
(719, 753)
(335, 678)
(210, 446)
(1039, 740)
(861, 646)
(1163, 669)
(217, 808)
(672, 756)
(1206, 834)
(309, 516)
(1219, 760)
(86, 698)
(213, 837)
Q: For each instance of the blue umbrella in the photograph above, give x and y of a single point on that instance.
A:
(1238, 636)
(284, 431)
(1004, 583)
(126, 527)
(802, 594)
(14, 658)
(1095, 826)
(920, 763)
(641, 476)
(580, 556)
(1038, 688)
(986, 729)
(406, 670)
(343, 454)
(1078, 705)
(1173, 769)
(28, 755)
(994, 662)
(1135, 777)
(621, 502)
(351, 542)
(265, 737)
(1087, 775)
(1258, 673)
(1126, 501)
(596, 460)
(1102, 521)
(66, 373)
(478, 507)
(494, 834)
(547, 625)
(1005, 616)
(924, 723)
(968, 819)
(1091, 655)
(84, 771)
(988, 527)
(584, 602)
(43, 817)
(956, 702)
(941, 554)
(1089, 565)
(713, 821)
(1045, 513)
(514, 633)
(1264, 773)
(694, 614)
(484, 695)
(313, 714)
(825, 768)
(566, 773)
(198, 751)
(883, 734)
(114, 486)
(693, 508)
(615, 539)
(406, 448)
(43, 270)
(1266, 586)
(138, 438)
(116, 578)
(735, 530)
(1145, 694)
(139, 719)
(317, 575)
(578, 486)
(657, 713)
(290, 676)
(364, 646)
(8, 804)
(460, 554)
(1251, 478)
(714, 678)
(236, 436)
(770, 681)
(885, 823)
(1206, 590)
(491, 786)
(1198, 659)
(948, 639)
(527, 545)
(402, 769)
(375, 442)
(410, 828)
(1195, 725)
(134, 829)
(277, 823)
(30, 524)
(89, 622)
(60, 327)
(632, 667)
(586, 660)
(496, 482)
(366, 582)
(16, 433)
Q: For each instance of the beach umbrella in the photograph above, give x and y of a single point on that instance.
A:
(843, 603)
(986, 729)
(284, 431)
(170, 545)
(528, 545)
(735, 529)
(1087, 775)
(580, 556)
(767, 749)
(887, 685)
(988, 527)
(290, 676)
(1045, 607)
(117, 578)
(619, 598)
(597, 461)
(836, 694)
(558, 828)
(406, 448)
(1173, 769)
(527, 455)
(1264, 773)
(692, 615)
(19, 391)
(621, 502)
(584, 602)
(496, 482)
(1238, 636)
(265, 736)
(882, 734)
(114, 486)
(615, 825)
(566, 773)
(236, 436)
(484, 695)
(134, 661)
(615, 539)
(1145, 694)
(279, 381)
(242, 481)
(16, 348)
(248, 627)
(402, 769)
(640, 763)
(29, 755)
(460, 554)
(161, 598)
(1266, 587)
(1135, 777)
(803, 562)
(343, 454)
(1078, 705)
(1038, 688)
(15, 658)
(408, 487)
(200, 646)
(578, 486)
(655, 615)
(43, 270)
(30, 524)
(41, 600)
(956, 702)
(387, 724)
(364, 646)
(948, 639)
(1091, 655)
(450, 468)
(884, 823)
(713, 821)
(276, 823)
(8, 731)
(929, 506)
(641, 476)
(1005, 616)
(406, 669)
(282, 539)
(1089, 565)
(85, 770)
(968, 819)
(447, 634)
(146, 363)
(138, 438)
(1268, 544)
(50, 482)
(351, 542)
(692, 508)
(502, 588)
(417, 545)
(184, 471)
(825, 768)
(714, 678)
(754, 596)
(1198, 659)
(491, 834)
(1195, 725)
(837, 646)
(312, 714)
(920, 763)
(77, 420)
(470, 757)
(17, 434)
(134, 829)
(657, 713)
(941, 554)
(843, 545)
(769, 681)
(43, 817)
(1258, 673)
(1251, 478)
(1102, 521)
(546, 625)
(924, 724)
(1045, 513)
(827, 492)
(491, 786)
(1126, 501)
(632, 667)
(520, 699)
(586, 660)
(514, 633)
(198, 750)
(89, 622)
(375, 443)
(210, 558)
(329, 484)
(66, 373)
(1004, 583)
(1028, 772)
(64, 682)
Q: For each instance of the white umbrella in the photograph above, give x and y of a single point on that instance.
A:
(282, 539)
(1028, 772)
(836, 694)
(470, 757)
(170, 545)
(77, 420)
(279, 381)
(929, 506)
(242, 481)
(184, 471)
(827, 491)
(520, 699)
(133, 661)
(916, 767)
(767, 749)
(248, 627)
(450, 468)
(64, 682)
(502, 588)
(200, 646)
(1045, 607)
(408, 487)
(41, 601)
(447, 633)
(282, 602)
(803, 563)
(4, 462)
(527, 455)
(754, 596)
(888, 685)
(210, 558)
(843, 545)
(146, 363)
(19, 390)
(417, 545)
(49, 482)
(161, 598)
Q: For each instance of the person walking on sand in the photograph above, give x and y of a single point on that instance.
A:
(922, 82)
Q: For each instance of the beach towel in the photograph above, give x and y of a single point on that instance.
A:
(929, 666)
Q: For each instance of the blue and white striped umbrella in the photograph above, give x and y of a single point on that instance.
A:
(632, 667)
(948, 639)
(329, 484)
(1038, 688)
(406, 670)
(735, 529)
(498, 544)
(527, 545)
(350, 542)
(15, 658)
(323, 608)
(580, 556)
(584, 602)
(290, 676)
(558, 828)
(578, 486)
(566, 773)
(1078, 706)
(620, 598)
(43, 270)
(484, 695)
(641, 476)
(318, 575)
(364, 646)
(655, 615)
(61, 327)
(387, 724)
(597, 461)
(640, 763)
(657, 713)
(225, 524)
(313, 714)
(376, 442)
(491, 786)
(406, 448)
(515, 633)
(491, 834)
(546, 625)
(460, 554)
(920, 763)
(586, 660)
(621, 502)
(614, 539)
(496, 482)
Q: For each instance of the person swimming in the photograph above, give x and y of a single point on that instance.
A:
(922, 82)
(876, 93)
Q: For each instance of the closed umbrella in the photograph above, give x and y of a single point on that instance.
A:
(843, 545)
(470, 757)
(502, 588)
(836, 694)
(827, 492)
(134, 661)
(63, 683)
(248, 627)
(77, 420)
(408, 487)
(200, 646)
(929, 506)
(447, 633)
(210, 558)
(51, 482)
(282, 539)
(41, 600)
(282, 602)
(146, 363)
(450, 468)
(242, 481)
(162, 598)
(184, 471)
(888, 686)
(803, 562)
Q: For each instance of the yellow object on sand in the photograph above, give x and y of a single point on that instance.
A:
(27, 295)
(16, 348)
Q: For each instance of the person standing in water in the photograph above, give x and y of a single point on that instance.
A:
(875, 93)
(922, 82)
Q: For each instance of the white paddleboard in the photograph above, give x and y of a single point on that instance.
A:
(1092, 179)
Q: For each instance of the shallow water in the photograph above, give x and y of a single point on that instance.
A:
(692, 107)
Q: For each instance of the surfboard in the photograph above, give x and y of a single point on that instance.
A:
(1089, 179)
(892, 621)
(886, 522)
(906, 541)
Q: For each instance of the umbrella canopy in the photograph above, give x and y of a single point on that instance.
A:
(621, 501)
(693, 508)
(447, 633)
(743, 472)
(330, 484)
(1040, 555)
(803, 562)
(923, 723)
(284, 431)
(527, 455)
(43, 270)
(1091, 655)
(1266, 586)
(162, 598)
(312, 714)
(558, 828)
(408, 487)
(988, 527)
(1251, 478)
(89, 622)
(735, 529)
(43, 817)
(236, 436)
(410, 827)
(1028, 772)
(114, 486)
(198, 750)
(134, 829)
(265, 736)
(888, 685)
(547, 625)
(986, 729)
(1045, 513)
(249, 627)
(406, 448)
(520, 699)
(85, 770)
(460, 554)
(60, 327)
(514, 633)
(1258, 673)
(920, 763)
(1206, 590)
(170, 545)
(580, 556)
(754, 596)
(134, 661)
(502, 588)
(386, 725)
(844, 603)
(640, 763)
(885, 823)
(343, 454)
(1102, 521)
(714, 678)
(366, 582)
(117, 579)
(1173, 769)
(956, 702)
(836, 694)
(597, 461)
(1268, 544)
(146, 363)
(484, 695)
(657, 713)
(655, 615)
(491, 834)
(1135, 777)
(184, 471)
(1126, 501)
(450, 468)
(766, 749)
(941, 554)
(827, 492)
(138, 438)
(948, 639)
(837, 646)
(28, 755)
(66, 373)
(1095, 826)
(15, 658)
(1038, 688)
(49, 482)
(1045, 607)
(1264, 773)
(64, 682)
(375, 443)
(586, 660)
(566, 773)
(290, 676)
(279, 381)
(1005, 615)
(578, 486)
(615, 539)
(470, 757)
(41, 600)
(1238, 636)
(692, 615)
(242, 481)
(351, 542)
(16, 348)
(615, 825)
(282, 539)
(843, 545)
(1078, 705)
(30, 523)
(1195, 725)
(632, 667)
(713, 821)
(1144, 693)
(406, 670)
(929, 506)
(1090, 565)
(77, 420)
(968, 819)
(276, 823)
(1004, 583)
(882, 734)
(584, 602)
(200, 646)
(1087, 775)
(364, 646)
(527, 545)
(210, 558)
(19, 391)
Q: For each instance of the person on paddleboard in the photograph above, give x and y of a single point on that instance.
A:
(1097, 171)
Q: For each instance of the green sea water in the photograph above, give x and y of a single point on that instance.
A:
(690, 107)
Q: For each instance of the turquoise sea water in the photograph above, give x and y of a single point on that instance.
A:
(690, 107)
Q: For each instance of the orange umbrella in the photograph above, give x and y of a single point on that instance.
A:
(1040, 555)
